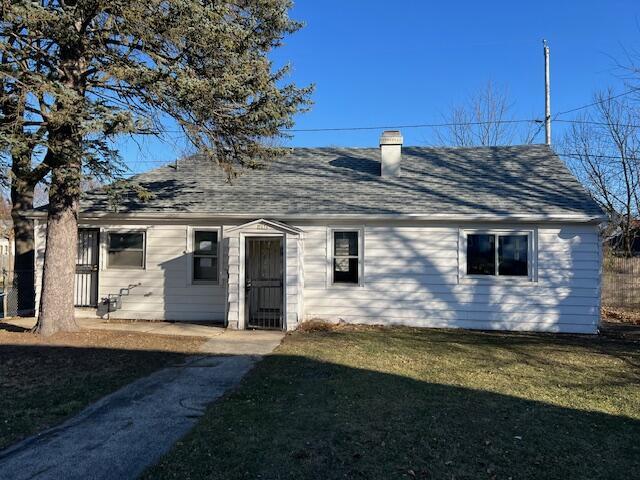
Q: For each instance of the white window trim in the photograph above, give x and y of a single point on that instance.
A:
(105, 234)
(330, 256)
(190, 250)
(532, 254)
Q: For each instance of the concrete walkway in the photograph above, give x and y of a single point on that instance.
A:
(158, 328)
(124, 433)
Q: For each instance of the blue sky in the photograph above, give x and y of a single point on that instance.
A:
(377, 62)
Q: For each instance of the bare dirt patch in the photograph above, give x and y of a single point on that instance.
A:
(102, 339)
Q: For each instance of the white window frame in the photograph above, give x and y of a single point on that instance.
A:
(532, 256)
(191, 232)
(330, 256)
(108, 232)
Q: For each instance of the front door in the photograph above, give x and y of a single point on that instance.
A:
(264, 282)
(86, 282)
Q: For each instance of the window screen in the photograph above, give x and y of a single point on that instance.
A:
(126, 250)
(346, 260)
(205, 256)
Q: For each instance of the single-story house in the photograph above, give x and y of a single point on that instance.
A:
(482, 237)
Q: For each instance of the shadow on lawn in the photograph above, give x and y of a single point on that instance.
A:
(296, 417)
(41, 385)
(8, 327)
(299, 417)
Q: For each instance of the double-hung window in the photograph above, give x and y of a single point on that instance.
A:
(499, 254)
(205, 256)
(125, 250)
(346, 264)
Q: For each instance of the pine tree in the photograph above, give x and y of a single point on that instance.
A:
(83, 72)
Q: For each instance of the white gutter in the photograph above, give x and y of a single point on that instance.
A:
(170, 216)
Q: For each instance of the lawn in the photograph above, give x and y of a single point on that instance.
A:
(360, 402)
(43, 381)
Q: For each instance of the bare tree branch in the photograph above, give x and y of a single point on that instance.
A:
(485, 119)
(604, 147)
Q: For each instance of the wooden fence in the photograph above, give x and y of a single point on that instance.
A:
(621, 282)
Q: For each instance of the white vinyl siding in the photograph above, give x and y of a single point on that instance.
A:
(411, 277)
(165, 292)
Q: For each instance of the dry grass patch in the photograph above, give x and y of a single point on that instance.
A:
(621, 315)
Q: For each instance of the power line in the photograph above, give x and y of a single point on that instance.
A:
(607, 157)
(417, 125)
(453, 124)
(447, 124)
(597, 102)
(389, 127)
(440, 125)
(605, 124)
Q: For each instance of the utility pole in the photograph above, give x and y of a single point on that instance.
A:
(547, 95)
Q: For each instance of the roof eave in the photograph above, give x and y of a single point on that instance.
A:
(461, 217)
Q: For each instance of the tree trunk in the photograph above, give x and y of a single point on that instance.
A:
(65, 154)
(56, 301)
(24, 256)
(627, 235)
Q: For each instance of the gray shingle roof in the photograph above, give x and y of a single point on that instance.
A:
(493, 181)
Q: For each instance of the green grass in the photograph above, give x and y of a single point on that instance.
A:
(41, 384)
(410, 403)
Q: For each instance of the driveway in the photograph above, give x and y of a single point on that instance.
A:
(124, 433)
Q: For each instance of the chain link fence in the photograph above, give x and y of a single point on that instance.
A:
(621, 282)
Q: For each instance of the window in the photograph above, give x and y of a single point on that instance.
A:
(126, 250)
(498, 254)
(513, 253)
(346, 257)
(205, 256)
(481, 254)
